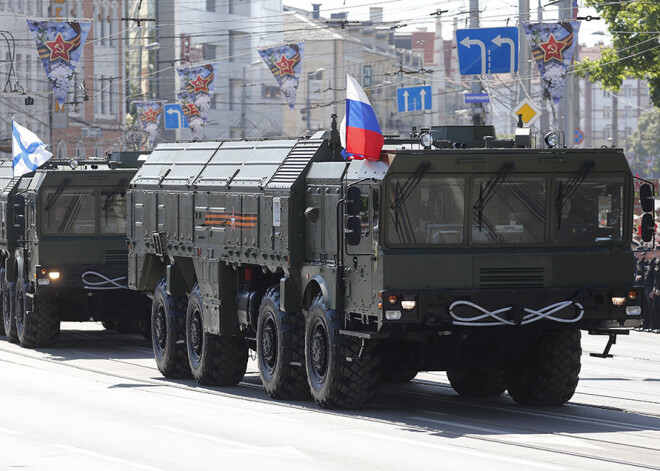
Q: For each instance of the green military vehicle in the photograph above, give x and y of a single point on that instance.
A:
(482, 262)
(63, 247)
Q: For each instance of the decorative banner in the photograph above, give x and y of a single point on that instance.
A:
(552, 46)
(149, 113)
(60, 45)
(285, 62)
(199, 84)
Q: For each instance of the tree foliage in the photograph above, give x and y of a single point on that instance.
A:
(635, 50)
(644, 141)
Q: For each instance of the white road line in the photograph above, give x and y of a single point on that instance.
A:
(454, 424)
(9, 432)
(93, 454)
(464, 451)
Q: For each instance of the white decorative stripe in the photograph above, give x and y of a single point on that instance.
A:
(104, 283)
(531, 316)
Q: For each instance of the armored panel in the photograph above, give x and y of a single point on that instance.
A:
(294, 164)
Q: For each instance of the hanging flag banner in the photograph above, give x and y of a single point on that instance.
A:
(60, 44)
(28, 151)
(199, 84)
(149, 113)
(552, 46)
(285, 63)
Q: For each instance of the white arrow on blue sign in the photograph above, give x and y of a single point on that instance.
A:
(487, 50)
(414, 98)
(174, 118)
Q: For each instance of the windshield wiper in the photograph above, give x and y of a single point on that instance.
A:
(486, 192)
(112, 195)
(565, 192)
(54, 197)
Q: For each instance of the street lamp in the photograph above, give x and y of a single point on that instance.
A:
(309, 78)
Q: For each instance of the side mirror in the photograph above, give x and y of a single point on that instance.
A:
(353, 230)
(353, 201)
(646, 198)
(19, 205)
(648, 227)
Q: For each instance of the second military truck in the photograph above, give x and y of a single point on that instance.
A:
(485, 263)
(63, 248)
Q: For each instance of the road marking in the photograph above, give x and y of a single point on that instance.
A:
(282, 452)
(464, 451)
(107, 458)
(9, 432)
(454, 424)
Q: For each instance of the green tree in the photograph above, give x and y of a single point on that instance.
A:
(644, 142)
(635, 51)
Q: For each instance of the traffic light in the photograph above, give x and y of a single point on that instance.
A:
(303, 113)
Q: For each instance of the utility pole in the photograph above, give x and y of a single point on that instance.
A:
(567, 106)
(477, 108)
(524, 69)
(545, 111)
(615, 120)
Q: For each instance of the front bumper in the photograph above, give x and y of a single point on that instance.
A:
(584, 308)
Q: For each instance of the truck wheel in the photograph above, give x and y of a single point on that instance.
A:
(8, 316)
(548, 373)
(337, 378)
(37, 324)
(477, 381)
(168, 324)
(215, 360)
(281, 349)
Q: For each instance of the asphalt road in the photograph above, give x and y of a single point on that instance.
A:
(97, 401)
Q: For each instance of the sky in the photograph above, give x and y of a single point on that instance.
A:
(494, 13)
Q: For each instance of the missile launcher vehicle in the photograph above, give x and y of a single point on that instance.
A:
(483, 262)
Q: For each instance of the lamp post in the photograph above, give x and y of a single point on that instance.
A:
(309, 111)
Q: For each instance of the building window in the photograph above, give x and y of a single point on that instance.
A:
(607, 112)
(235, 88)
(98, 150)
(80, 150)
(270, 91)
(209, 52)
(214, 102)
(210, 5)
(237, 44)
(232, 6)
(606, 94)
(61, 150)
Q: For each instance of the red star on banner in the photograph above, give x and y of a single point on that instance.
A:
(59, 48)
(285, 65)
(192, 109)
(150, 115)
(552, 49)
(200, 84)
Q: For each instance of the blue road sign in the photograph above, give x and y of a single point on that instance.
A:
(414, 98)
(174, 118)
(487, 50)
(477, 98)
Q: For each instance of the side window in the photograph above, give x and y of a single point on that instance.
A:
(364, 214)
(375, 198)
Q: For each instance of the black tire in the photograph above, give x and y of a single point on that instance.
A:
(335, 381)
(168, 327)
(393, 374)
(549, 370)
(281, 349)
(477, 381)
(37, 324)
(215, 360)
(8, 316)
(2, 287)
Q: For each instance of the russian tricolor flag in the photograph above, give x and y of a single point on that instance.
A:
(363, 138)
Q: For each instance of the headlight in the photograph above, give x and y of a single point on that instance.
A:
(54, 275)
(426, 139)
(392, 315)
(551, 139)
(408, 305)
(73, 163)
(618, 300)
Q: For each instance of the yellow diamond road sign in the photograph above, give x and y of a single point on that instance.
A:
(529, 111)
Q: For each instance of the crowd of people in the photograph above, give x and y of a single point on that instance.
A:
(647, 274)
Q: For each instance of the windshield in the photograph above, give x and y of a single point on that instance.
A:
(591, 213)
(431, 214)
(75, 212)
(514, 214)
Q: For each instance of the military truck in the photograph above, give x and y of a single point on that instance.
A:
(63, 248)
(483, 262)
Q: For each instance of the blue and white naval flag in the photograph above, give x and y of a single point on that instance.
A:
(28, 150)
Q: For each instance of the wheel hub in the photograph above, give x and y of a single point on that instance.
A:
(160, 329)
(196, 337)
(320, 351)
(269, 344)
